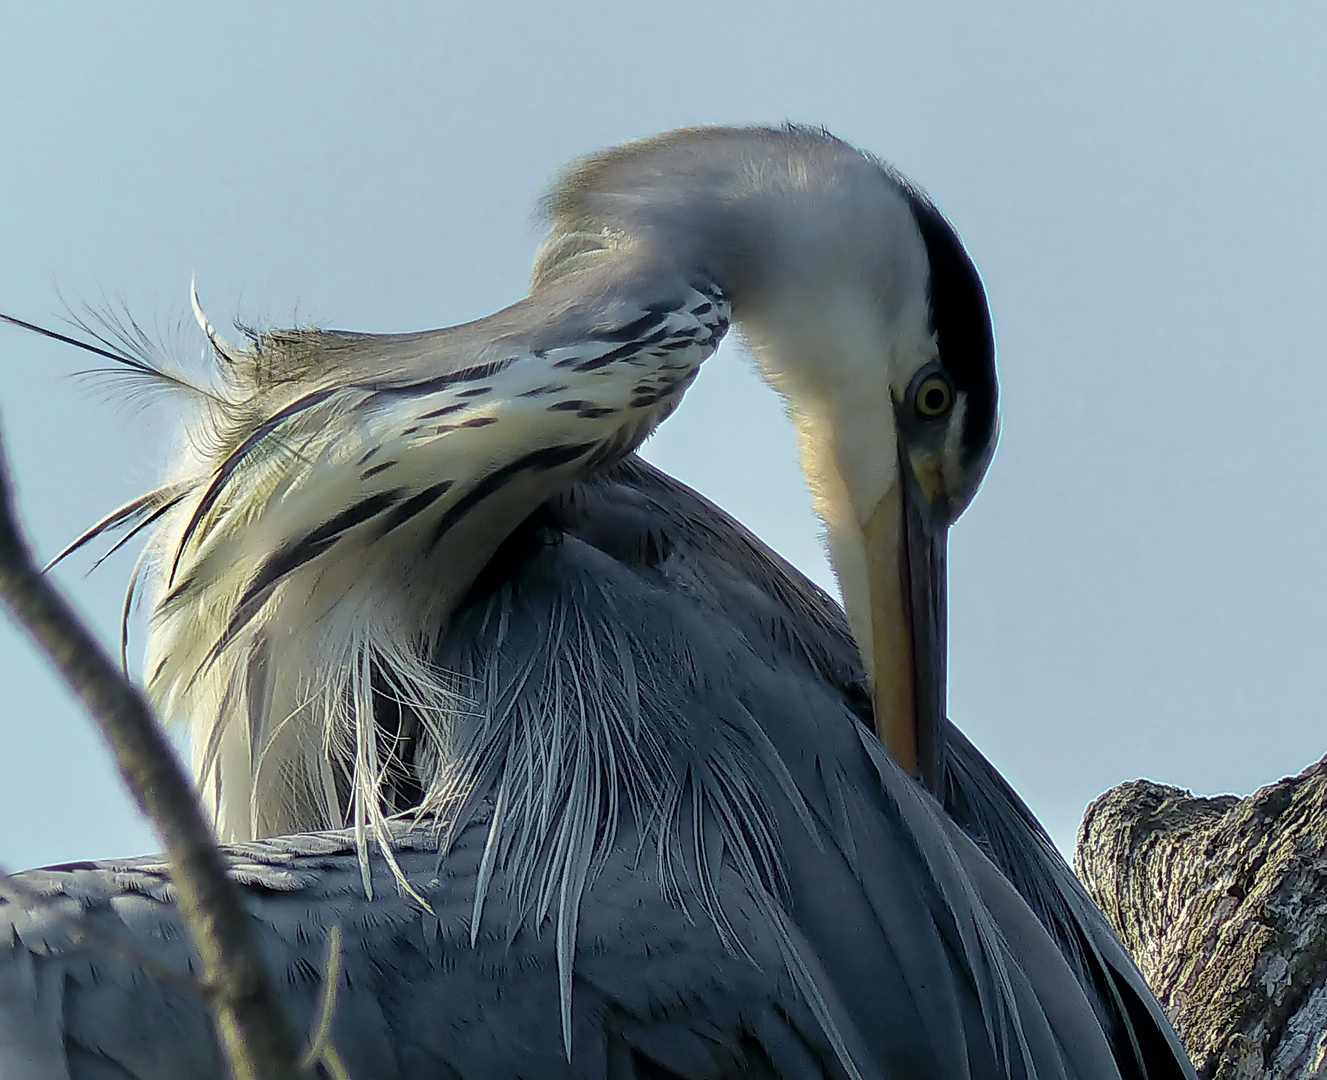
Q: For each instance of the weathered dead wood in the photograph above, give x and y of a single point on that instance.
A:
(1223, 903)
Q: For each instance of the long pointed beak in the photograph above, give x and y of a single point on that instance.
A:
(906, 542)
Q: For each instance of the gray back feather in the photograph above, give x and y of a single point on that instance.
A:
(820, 917)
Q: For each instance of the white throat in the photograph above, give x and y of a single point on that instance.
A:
(840, 367)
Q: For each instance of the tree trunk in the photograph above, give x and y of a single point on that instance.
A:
(1223, 903)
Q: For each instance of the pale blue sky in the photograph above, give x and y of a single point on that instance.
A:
(1137, 591)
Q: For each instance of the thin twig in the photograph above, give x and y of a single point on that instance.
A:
(321, 1051)
(253, 1036)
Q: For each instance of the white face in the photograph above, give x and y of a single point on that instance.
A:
(854, 415)
(931, 414)
(841, 337)
(894, 441)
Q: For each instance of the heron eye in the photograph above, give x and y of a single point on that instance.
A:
(934, 397)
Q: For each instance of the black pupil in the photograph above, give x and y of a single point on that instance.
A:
(933, 400)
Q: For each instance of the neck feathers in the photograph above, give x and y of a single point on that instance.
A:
(819, 248)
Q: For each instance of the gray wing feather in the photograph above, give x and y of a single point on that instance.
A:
(989, 811)
(755, 586)
(31, 1019)
(757, 892)
(653, 996)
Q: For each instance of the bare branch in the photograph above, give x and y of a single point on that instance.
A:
(250, 1029)
(1223, 903)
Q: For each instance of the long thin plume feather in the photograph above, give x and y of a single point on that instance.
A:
(137, 514)
(131, 350)
(224, 350)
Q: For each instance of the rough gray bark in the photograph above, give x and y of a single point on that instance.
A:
(1223, 903)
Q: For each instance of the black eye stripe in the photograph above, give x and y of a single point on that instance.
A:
(961, 320)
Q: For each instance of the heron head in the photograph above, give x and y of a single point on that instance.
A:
(944, 422)
(879, 337)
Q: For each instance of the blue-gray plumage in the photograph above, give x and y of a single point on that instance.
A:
(617, 805)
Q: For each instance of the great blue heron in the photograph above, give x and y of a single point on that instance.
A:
(614, 800)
